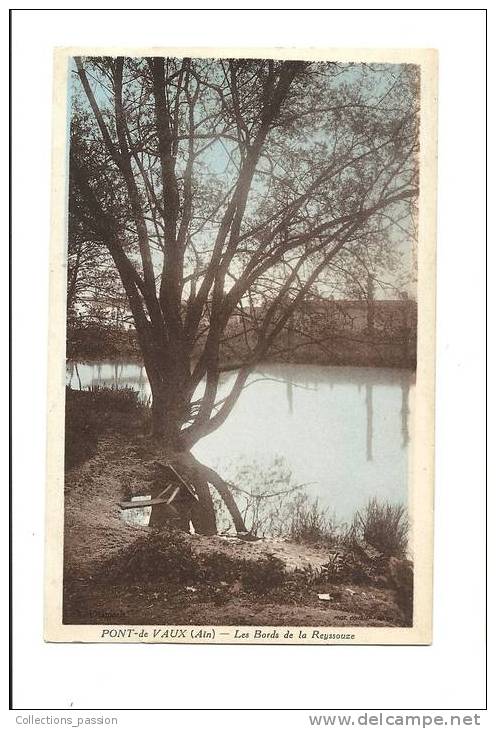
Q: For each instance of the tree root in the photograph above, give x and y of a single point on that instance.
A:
(222, 487)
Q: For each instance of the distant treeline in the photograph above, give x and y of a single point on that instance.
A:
(379, 333)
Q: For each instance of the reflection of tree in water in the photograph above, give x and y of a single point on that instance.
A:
(290, 386)
(405, 410)
(369, 402)
(72, 368)
(114, 375)
(405, 383)
(289, 396)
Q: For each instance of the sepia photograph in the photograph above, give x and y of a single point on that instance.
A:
(242, 346)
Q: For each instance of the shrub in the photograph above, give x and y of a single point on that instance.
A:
(263, 575)
(82, 429)
(265, 492)
(114, 399)
(89, 412)
(310, 523)
(384, 526)
(346, 566)
(167, 555)
(163, 554)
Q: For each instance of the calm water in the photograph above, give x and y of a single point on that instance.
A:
(344, 431)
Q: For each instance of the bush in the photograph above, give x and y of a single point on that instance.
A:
(263, 575)
(156, 555)
(89, 412)
(310, 523)
(114, 399)
(347, 566)
(166, 555)
(384, 526)
(82, 428)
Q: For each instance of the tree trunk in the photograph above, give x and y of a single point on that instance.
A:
(163, 515)
(224, 491)
(167, 421)
(167, 416)
(203, 512)
(158, 415)
(228, 499)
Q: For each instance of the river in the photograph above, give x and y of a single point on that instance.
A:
(342, 431)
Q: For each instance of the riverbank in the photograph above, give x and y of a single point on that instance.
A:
(120, 573)
(344, 351)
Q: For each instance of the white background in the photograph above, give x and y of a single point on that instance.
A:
(447, 675)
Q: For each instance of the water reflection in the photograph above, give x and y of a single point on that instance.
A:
(369, 404)
(108, 374)
(289, 396)
(405, 410)
(343, 429)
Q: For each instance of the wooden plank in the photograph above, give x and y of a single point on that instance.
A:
(142, 503)
(187, 485)
(162, 494)
(173, 495)
(168, 467)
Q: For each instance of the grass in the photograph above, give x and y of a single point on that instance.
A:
(384, 526)
(114, 399)
(311, 524)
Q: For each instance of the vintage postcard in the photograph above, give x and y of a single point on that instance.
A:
(241, 394)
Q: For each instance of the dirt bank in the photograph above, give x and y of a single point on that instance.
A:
(224, 580)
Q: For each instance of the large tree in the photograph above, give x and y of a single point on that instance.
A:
(234, 187)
